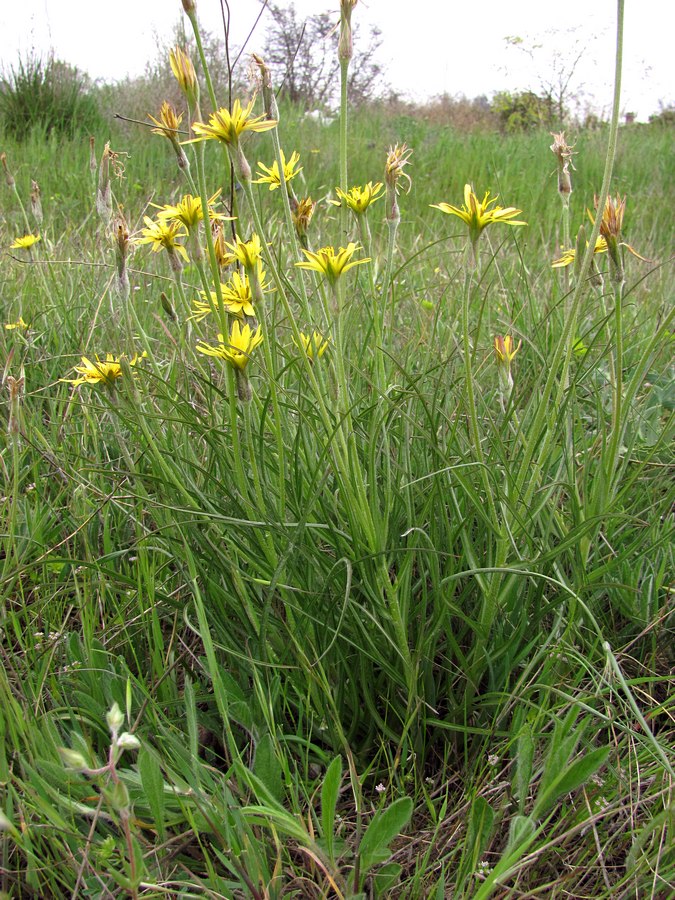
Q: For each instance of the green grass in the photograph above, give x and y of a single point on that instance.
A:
(361, 650)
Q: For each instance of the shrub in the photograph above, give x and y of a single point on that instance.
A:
(523, 111)
(52, 96)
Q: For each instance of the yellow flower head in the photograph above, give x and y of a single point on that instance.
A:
(478, 214)
(331, 264)
(505, 349)
(18, 324)
(237, 351)
(184, 70)
(247, 253)
(397, 157)
(163, 235)
(188, 211)
(227, 126)
(569, 255)
(102, 371)
(237, 299)
(270, 175)
(314, 346)
(358, 199)
(25, 242)
(168, 122)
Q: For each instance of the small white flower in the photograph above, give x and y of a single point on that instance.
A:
(380, 788)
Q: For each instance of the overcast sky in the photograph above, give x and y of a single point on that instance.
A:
(430, 46)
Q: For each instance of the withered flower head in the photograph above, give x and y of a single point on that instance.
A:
(563, 152)
(397, 157)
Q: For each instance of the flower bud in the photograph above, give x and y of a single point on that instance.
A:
(115, 718)
(128, 741)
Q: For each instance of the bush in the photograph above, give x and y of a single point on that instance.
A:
(523, 111)
(51, 96)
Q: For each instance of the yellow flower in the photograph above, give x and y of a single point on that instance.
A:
(246, 252)
(314, 346)
(188, 211)
(478, 214)
(18, 324)
(331, 264)
(25, 242)
(241, 343)
(102, 371)
(358, 199)
(569, 255)
(168, 122)
(227, 126)
(270, 175)
(237, 299)
(163, 235)
(505, 349)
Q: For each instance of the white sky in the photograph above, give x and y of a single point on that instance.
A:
(430, 46)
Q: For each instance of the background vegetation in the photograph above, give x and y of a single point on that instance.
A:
(335, 661)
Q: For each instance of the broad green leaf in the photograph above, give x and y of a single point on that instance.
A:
(570, 779)
(521, 830)
(267, 767)
(385, 878)
(386, 825)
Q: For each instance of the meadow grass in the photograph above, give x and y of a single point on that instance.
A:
(400, 623)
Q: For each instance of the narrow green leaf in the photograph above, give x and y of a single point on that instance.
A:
(153, 788)
(524, 760)
(329, 796)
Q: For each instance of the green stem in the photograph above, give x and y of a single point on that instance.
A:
(542, 431)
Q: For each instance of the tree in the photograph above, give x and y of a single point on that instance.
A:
(555, 60)
(302, 56)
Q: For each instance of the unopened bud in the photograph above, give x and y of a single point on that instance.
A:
(104, 192)
(15, 387)
(268, 96)
(128, 741)
(190, 6)
(9, 178)
(35, 202)
(73, 760)
(244, 390)
(115, 717)
(167, 307)
(345, 43)
(92, 154)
